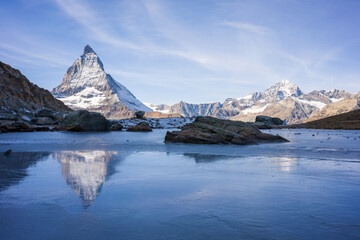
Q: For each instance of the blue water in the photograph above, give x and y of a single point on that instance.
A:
(122, 185)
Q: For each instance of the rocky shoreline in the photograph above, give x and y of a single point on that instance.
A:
(81, 121)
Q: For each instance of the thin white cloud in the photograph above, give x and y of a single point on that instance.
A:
(253, 54)
(35, 57)
(248, 27)
(92, 21)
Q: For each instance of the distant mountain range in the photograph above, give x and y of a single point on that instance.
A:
(284, 100)
(86, 85)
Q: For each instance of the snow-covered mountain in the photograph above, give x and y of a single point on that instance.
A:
(86, 85)
(284, 100)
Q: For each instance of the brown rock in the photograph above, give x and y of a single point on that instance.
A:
(17, 92)
(43, 121)
(336, 108)
(208, 130)
(140, 114)
(117, 127)
(140, 127)
(348, 121)
(84, 121)
(45, 113)
(161, 115)
(16, 127)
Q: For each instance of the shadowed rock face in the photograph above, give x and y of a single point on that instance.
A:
(348, 121)
(140, 127)
(265, 122)
(84, 121)
(339, 107)
(208, 130)
(269, 120)
(17, 92)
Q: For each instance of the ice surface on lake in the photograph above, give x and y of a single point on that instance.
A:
(122, 185)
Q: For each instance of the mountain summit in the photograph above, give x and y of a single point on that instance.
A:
(86, 85)
(88, 49)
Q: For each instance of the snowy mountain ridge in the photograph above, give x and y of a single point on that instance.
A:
(284, 99)
(86, 85)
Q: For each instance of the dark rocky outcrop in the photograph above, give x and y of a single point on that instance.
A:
(140, 114)
(265, 122)
(8, 152)
(269, 120)
(20, 126)
(116, 127)
(348, 121)
(42, 121)
(208, 130)
(84, 121)
(17, 92)
(140, 127)
(24, 105)
(45, 112)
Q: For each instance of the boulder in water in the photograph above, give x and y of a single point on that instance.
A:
(140, 114)
(140, 127)
(209, 130)
(84, 121)
(116, 127)
(268, 120)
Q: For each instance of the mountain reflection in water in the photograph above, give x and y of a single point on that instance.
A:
(86, 171)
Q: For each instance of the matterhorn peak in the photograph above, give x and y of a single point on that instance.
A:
(86, 85)
(88, 49)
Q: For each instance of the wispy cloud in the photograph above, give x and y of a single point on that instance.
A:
(180, 45)
(93, 22)
(33, 56)
(248, 27)
(250, 54)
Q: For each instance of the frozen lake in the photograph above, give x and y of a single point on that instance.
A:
(122, 185)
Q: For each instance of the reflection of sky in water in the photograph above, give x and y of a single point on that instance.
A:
(144, 189)
(285, 163)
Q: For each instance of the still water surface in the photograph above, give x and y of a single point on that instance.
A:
(133, 186)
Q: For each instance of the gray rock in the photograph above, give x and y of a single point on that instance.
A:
(17, 126)
(140, 127)
(261, 125)
(8, 116)
(208, 130)
(84, 121)
(43, 121)
(8, 152)
(140, 114)
(268, 120)
(116, 127)
(45, 113)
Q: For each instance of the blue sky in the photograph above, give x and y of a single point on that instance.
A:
(165, 51)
